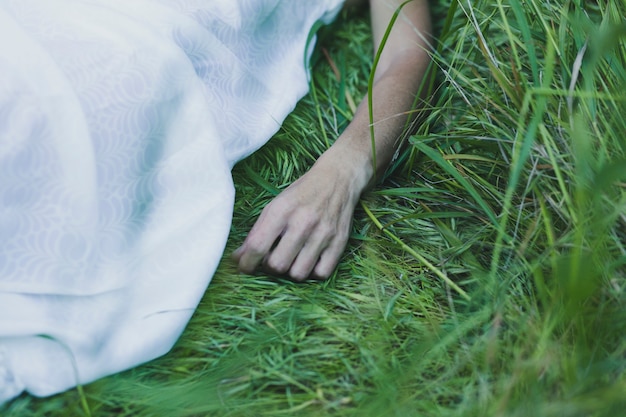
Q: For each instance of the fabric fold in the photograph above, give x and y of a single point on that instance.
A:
(119, 124)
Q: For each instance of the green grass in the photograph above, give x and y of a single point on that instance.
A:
(513, 189)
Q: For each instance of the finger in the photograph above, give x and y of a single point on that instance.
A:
(280, 259)
(329, 258)
(309, 255)
(236, 255)
(248, 244)
(259, 242)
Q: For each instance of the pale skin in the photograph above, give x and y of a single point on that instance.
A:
(303, 232)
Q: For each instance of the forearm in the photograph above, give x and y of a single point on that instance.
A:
(304, 230)
(398, 78)
(394, 107)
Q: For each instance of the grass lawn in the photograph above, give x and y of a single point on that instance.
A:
(485, 276)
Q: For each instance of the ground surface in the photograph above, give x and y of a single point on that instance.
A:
(496, 286)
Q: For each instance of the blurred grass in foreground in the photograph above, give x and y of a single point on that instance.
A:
(513, 188)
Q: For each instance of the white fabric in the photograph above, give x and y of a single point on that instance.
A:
(119, 123)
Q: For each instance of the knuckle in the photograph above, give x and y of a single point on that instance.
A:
(301, 271)
(303, 223)
(307, 217)
(323, 270)
(342, 237)
(321, 274)
(327, 230)
(252, 253)
(246, 269)
(246, 265)
(298, 275)
(277, 266)
(255, 246)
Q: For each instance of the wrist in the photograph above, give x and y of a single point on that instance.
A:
(352, 166)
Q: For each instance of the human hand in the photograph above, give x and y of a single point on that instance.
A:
(303, 232)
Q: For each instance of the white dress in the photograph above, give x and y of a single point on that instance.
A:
(119, 123)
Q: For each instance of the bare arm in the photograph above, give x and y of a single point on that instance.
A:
(398, 76)
(311, 219)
